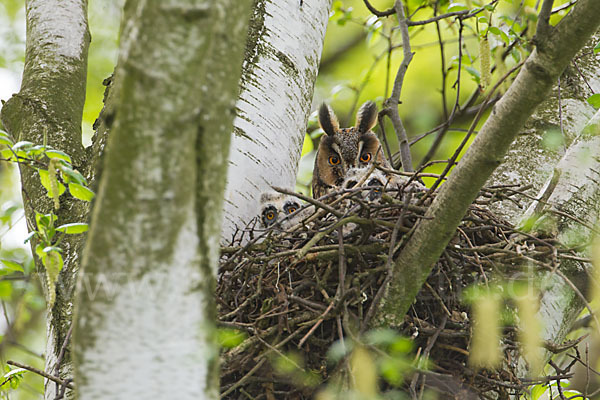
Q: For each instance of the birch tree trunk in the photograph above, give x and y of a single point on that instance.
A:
(50, 105)
(279, 72)
(565, 177)
(145, 309)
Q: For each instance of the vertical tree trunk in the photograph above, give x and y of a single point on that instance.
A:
(563, 176)
(280, 68)
(50, 105)
(145, 309)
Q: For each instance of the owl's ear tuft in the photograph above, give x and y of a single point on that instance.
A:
(366, 118)
(327, 119)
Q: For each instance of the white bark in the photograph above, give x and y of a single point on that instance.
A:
(576, 193)
(279, 72)
(152, 346)
(529, 161)
(145, 310)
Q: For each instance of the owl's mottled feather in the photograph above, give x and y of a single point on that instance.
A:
(343, 149)
(366, 118)
(327, 119)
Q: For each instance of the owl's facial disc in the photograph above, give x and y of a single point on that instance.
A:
(377, 191)
(290, 207)
(269, 215)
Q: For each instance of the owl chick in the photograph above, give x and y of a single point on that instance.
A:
(275, 206)
(343, 149)
(377, 180)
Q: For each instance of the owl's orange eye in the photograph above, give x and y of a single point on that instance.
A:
(365, 157)
(334, 160)
(291, 210)
(270, 215)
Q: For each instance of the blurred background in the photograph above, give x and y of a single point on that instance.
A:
(359, 63)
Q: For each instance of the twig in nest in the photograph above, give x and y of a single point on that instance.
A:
(316, 325)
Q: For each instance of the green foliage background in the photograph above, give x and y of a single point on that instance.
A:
(356, 66)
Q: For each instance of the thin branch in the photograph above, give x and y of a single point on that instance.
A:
(464, 14)
(391, 104)
(41, 373)
(378, 13)
(440, 17)
(471, 130)
(543, 25)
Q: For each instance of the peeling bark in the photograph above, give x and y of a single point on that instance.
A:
(50, 102)
(145, 308)
(280, 68)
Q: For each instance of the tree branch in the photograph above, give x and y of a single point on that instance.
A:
(378, 13)
(390, 106)
(543, 25)
(440, 17)
(531, 86)
(41, 373)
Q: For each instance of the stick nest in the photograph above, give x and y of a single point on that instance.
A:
(295, 292)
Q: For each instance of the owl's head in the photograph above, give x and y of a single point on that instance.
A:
(376, 180)
(342, 149)
(274, 206)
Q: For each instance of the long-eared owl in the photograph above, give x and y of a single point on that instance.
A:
(346, 148)
(275, 206)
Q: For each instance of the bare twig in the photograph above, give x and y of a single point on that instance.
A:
(378, 13)
(390, 105)
(471, 129)
(41, 373)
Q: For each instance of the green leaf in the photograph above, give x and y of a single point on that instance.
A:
(22, 145)
(15, 372)
(39, 250)
(58, 154)
(516, 55)
(50, 249)
(394, 370)
(597, 48)
(29, 237)
(594, 100)
(5, 138)
(36, 150)
(73, 229)
(457, 7)
(307, 145)
(45, 181)
(7, 154)
(6, 290)
(71, 175)
(230, 338)
(81, 192)
(499, 32)
(474, 73)
(13, 265)
(44, 220)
